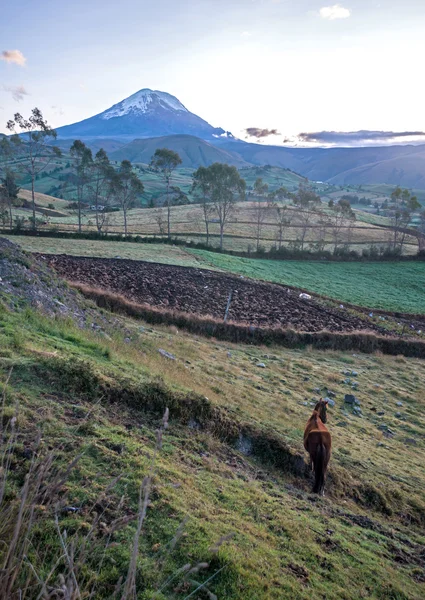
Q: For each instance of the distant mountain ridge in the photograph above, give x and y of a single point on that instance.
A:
(147, 113)
(395, 165)
(149, 119)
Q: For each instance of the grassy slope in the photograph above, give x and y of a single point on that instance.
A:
(275, 177)
(287, 544)
(365, 284)
(161, 253)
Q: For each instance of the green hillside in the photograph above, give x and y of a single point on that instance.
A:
(193, 151)
(218, 505)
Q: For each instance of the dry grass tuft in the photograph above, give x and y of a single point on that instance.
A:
(361, 341)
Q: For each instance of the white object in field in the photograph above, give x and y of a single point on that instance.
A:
(304, 296)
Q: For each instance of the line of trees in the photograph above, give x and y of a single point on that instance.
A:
(219, 187)
(94, 181)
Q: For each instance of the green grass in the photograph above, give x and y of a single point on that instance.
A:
(287, 544)
(394, 286)
(161, 253)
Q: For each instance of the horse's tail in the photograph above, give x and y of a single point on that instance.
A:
(319, 468)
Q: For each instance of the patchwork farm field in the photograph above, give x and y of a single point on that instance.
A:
(391, 286)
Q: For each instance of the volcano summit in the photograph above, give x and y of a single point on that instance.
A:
(147, 113)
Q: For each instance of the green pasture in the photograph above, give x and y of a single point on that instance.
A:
(394, 286)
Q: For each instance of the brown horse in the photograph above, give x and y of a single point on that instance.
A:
(317, 442)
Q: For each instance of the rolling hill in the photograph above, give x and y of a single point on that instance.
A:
(395, 165)
(193, 151)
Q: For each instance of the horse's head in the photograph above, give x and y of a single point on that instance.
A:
(321, 408)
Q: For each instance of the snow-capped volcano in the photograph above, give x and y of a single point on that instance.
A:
(147, 113)
(142, 102)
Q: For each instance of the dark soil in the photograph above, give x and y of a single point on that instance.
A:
(204, 292)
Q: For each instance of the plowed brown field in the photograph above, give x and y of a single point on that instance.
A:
(206, 293)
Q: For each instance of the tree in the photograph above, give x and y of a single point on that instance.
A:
(260, 210)
(166, 161)
(421, 236)
(31, 142)
(306, 199)
(340, 219)
(6, 154)
(283, 220)
(9, 192)
(201, 187)
(226, 187)
(260, 188)
(282, 192)
(158, 215)
(82, 163)
(404, 206)
(127, 187)
(102, 175)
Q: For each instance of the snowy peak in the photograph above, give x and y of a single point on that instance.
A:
(142, 102)
(145, 114)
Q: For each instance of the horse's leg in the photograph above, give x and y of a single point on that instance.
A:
(325, 467)
(319, 468)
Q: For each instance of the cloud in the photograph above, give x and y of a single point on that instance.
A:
(58, 110)
(260, 133)
(13, 56)
(18, 91)
(246, 34)
(334, 12)
(361, 138)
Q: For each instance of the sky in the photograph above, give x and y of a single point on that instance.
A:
(296, 67)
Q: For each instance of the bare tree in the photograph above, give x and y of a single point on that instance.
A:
(226, 187)
(340, 218)
(31, 145)
(421, 236)
(9, 190)
(404, 205)
(8, 193)
(160, 220)
(82, 163)
(166, 161)
(283, 220)
(260, 210)
(102, 175)
(201, 188)
(307, 200)
(127, 187)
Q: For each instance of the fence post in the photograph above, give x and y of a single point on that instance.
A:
(228, 306)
